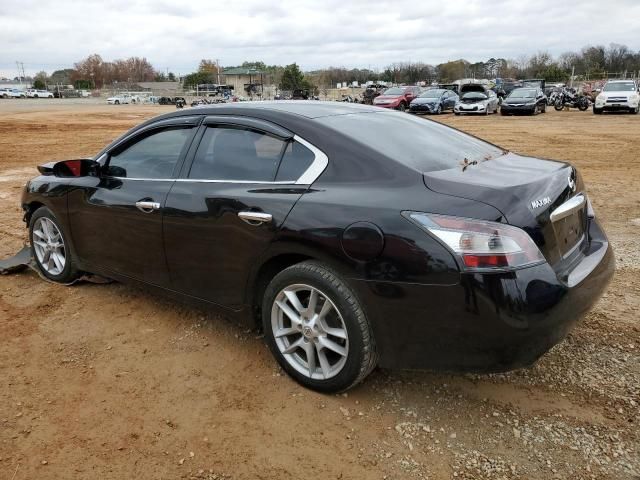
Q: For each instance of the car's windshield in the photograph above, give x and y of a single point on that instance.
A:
(431, 94)
(425, 146)
(522, 93)
(619, 87)
(394, 91)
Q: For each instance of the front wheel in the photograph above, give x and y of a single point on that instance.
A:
(438, 110)
(559, 106)
(316, 328)
(50, 247)
(597, 111)
(402, 107)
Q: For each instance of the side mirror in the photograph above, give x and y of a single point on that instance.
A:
(76, 168)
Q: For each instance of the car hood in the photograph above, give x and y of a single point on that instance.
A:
(622, 94)
(387, 97)
(420, 100)
(518, 101)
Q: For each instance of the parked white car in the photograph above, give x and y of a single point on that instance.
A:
(618, 95)
(123, 98)
(12, 93)
(32, 93)
(476, 99)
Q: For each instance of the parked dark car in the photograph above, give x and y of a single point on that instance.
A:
(434, 100)
(397, 98)
(527, 101)
(371, 92)
(355, 236)
(171, 100)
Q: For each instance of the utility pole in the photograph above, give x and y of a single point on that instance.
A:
(218, 69)
(573, 71)
(20, 67)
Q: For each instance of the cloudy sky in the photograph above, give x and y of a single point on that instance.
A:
(173, 34)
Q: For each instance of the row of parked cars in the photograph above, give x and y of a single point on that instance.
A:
(29, 93)
(475, 98)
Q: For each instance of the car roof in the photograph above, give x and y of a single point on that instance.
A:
(304, 108)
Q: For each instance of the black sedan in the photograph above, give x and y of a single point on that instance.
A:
(355, 236)
(435, 100)
(527, 101)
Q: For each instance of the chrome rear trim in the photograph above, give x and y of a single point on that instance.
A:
(567, 208)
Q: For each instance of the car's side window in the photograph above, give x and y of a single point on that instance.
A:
(154, 156)
(296, 160)
(230, 153)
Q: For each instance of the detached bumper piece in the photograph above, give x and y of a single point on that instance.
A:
(20, 261)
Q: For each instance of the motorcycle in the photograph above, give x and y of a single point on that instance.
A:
(568, 97)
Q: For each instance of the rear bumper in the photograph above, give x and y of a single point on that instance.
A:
(489, 322)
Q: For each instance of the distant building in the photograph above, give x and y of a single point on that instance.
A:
(245, 81)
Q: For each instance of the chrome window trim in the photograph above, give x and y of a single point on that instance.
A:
(318, 165)
(309, 176)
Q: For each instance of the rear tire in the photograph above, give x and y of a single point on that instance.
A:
(333, 331)
(50, 247)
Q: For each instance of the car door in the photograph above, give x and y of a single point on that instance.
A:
(448, 100)
(116, 218)
(243, 179)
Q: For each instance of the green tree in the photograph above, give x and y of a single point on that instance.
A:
(553, 73)
(82, 84)
(293, 79)
(39, 84)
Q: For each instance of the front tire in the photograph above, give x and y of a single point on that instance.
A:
(559, 105)
(597, 111)
(50, 247)
(402, 107)
(316, 328)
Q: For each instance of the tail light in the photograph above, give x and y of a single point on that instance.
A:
(480, 244)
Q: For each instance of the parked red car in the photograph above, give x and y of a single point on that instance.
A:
(398, 98)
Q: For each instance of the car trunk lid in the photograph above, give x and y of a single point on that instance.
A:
(526, 191)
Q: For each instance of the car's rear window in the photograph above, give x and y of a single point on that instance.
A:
(423, 145)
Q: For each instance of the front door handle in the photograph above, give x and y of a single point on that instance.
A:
(255, 218)
(147, 206)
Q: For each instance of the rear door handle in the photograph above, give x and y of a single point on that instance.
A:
(147, 206)
(255, 218)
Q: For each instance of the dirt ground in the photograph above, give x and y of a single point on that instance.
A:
(104, 381)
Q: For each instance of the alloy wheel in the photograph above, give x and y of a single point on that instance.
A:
(309, 331)
(48, 245)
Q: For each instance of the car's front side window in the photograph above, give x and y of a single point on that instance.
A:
(154, 156)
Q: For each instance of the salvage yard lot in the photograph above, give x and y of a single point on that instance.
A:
(105, 381)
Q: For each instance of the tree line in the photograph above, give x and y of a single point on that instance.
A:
(591, 62)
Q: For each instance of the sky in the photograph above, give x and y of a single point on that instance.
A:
(175, 35)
